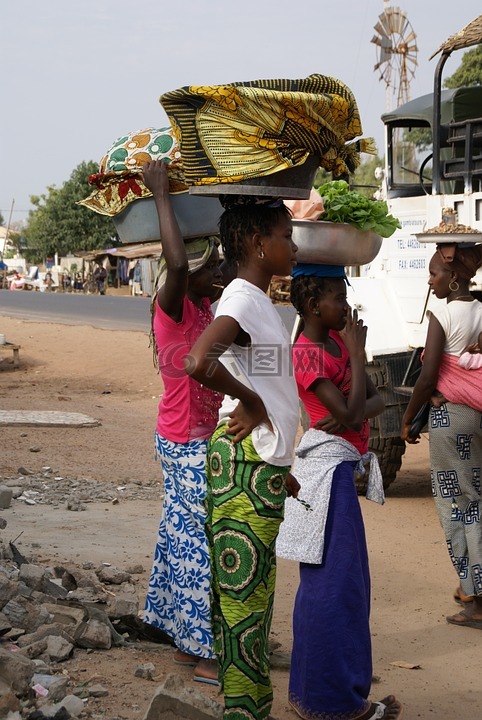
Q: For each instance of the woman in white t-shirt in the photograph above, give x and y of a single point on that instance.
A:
(455, 422)
(245, 354)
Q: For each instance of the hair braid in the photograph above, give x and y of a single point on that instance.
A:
(240, 222)
(305, 287)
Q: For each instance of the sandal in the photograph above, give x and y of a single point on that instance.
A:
(381, 707)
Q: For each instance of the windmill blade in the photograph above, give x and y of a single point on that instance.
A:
(383, 27)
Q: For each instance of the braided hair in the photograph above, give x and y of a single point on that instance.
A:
(305, 287)
(239, 222)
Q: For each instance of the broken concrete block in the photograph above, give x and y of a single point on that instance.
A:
(123, 604)
(16, 671)
(94, 634)
(58, 649)
(33, 576)
(71, 703)
(98, 691)
(23, 612)
(44, 631)
(7, 590)
(175, 701)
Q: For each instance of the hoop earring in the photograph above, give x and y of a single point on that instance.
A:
(261, 254)
(455, 284)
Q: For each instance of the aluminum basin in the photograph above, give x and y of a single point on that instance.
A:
(334, 243)
(196, 216)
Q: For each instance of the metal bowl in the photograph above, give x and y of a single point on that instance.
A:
(465, 238)
(292, 184)
(334, 243)
(196, 216)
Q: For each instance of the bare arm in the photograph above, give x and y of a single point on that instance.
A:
(171, 296)
(350, 412)
(375, 404)
(427, 380)
(204, 366)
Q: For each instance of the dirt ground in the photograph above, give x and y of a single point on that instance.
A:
(109, 375)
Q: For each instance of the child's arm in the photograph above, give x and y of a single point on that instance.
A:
(203, 365)
(171, 296)
(349, 411)
(427, 380)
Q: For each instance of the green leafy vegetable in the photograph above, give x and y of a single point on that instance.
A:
(343, 205)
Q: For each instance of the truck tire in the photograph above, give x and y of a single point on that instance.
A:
(389, 450)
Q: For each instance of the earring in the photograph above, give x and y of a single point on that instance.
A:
(455, 284)
(316, 312)
(261, 254)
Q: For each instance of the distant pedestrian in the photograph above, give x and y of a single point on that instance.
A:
(100, 277)
(137, 279)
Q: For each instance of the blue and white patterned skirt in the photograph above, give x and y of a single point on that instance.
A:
(178, 594)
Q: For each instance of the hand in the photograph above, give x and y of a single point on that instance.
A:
(246, 416)
(330, 425)
(355, 334)
(404, 433)
(292, 486)
(155, 177)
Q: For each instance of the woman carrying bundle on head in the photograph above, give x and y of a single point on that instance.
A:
(455, 422)
(245, 354)
(189, 279)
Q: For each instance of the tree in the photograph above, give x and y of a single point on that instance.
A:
(2, 221)
(58, 225)
(469, 71)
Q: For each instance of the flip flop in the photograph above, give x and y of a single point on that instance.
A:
(465, 622)
(208, 681)
(186, 663)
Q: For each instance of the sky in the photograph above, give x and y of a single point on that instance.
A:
(78, 74)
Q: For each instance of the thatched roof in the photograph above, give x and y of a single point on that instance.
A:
(470, 35)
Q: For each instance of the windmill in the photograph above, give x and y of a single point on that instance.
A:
(396, 53)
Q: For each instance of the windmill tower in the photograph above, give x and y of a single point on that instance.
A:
(396, 53)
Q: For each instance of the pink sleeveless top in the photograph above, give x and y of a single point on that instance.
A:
(188, 410)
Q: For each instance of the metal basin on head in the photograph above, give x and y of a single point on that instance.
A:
(196, 216)
(330, 243)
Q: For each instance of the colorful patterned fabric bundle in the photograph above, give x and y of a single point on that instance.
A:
(119, 180)
(230, 133)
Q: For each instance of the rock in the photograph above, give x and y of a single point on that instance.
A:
(145, 671)
(3, 523)
(16, 671)
(58, 649)
(135, 569)
(176, 701)
(5, 625)
(72, 704)
(22, 470)
(5, 497)
(112, 575)
(123, 604)
(94, 634)
(24, 612)
(98, 691)
(45, 631)
(32, 575)
(34, 449)
(9, 703)
(7, 590)
(66, 614)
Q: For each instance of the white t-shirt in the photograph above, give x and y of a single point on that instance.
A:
(461, 322)
(264, 366)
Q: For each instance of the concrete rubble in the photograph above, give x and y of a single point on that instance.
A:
(51, 613)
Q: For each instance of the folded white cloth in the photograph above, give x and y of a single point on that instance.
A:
(302, 532)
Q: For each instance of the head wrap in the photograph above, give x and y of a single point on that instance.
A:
(461, 258)
(319, 270)
(198, 251)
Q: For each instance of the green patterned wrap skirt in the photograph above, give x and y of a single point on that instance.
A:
(245, 507)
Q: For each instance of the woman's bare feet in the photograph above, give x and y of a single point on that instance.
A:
(183, 658)
(388, 709)
(207, 671)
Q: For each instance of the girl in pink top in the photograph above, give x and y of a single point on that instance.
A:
(189, 279)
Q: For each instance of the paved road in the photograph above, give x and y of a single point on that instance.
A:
(108, 312)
